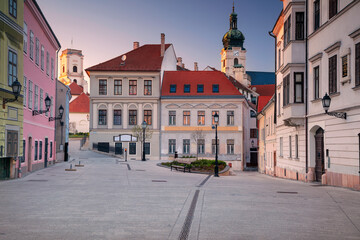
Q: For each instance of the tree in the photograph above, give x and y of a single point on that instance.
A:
(138, 133)
(196, 136)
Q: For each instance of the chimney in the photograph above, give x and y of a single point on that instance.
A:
(183, 65)
(196, 66)
(179, 61)
(136, 45)
(162, 44)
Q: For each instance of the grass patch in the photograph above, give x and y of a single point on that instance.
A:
(201, 165)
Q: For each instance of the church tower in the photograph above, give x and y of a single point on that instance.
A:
(71, 68)
(233, 55)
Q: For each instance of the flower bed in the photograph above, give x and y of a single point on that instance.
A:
(201, 165)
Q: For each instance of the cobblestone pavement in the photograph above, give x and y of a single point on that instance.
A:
(112, 199)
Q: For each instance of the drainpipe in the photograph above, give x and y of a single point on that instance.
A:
(306, 93)
(272, 35)
(55, 108)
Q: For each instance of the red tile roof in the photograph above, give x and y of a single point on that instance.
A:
(264, 90)
(207, 78)
(80, 105)
(75, 89)
(144, 58)
(262, 101)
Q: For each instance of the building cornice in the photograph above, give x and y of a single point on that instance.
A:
(333, 47)
(290, 4)
(316, 57)
(11, 23)
(291, 65)
(204, 97)
(355, 34)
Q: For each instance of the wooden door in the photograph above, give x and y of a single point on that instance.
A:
(274, 163)
(12, 144)
(29, 158)
(319, 158)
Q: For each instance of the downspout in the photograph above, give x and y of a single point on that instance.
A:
(272, 35)
(306, 93)
(56, 93)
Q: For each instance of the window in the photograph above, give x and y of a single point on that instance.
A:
(299, 87)
(316, 14)
(52, 69)
(212, 117)
(357, 64)
(281, 146)
(344, 63)
(230, 118)
(230, 146)
(172, 145)
(200, 88)
(332, 8)
(12, 67)
(147, 87)
(201, 146)
(186, 118)
(252, 114)
(253, 133)
(40, 150)
(63, 68)
(186, 146)
(201, 117)
(253, 99)
(31, 45)
(296, 146)
(13, 8)
(74, 69)
(24, 151)
(172, 88)
(186, 88)
(47, 63)
(30, 102)
(37, 51)
(132, 117)
(117, 87)
(316, 83)
(47, 113)
(299, 31)
(25, 37)
(51, 149)
(287, 31)
(36, 98)
(215, 88)
(117, 117)
(147, 148)
(148, 117)
(132, 87)
(286, 90)
(42, 57)
(172, 118)
(132, 148)
(290, 147)
(36, 150)
(25, 91)
(279, 58)
(333, 74)
(41, 99)
(102, 117)
(236, 61)
(102, 87)
(213, 145)
(279, 103)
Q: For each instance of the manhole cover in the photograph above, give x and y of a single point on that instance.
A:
(287, 192)
(159, 181)
(37, 180)
(140, 170)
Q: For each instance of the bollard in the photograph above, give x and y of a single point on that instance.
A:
(79, 165)
(70, 169)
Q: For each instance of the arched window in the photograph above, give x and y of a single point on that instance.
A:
(63, 68)
(236, 61)
(74, 68)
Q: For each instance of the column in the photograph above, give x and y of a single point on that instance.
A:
(155, 116)
(110, 116)
(140, 114)
(95, 116)
(125, 116)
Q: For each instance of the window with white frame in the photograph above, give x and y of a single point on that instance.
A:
(281, 147)
(333, 74)
(52, 69)
(41, 98)
(230, 118)
(290, 147)
(102, 117)
(42, 62)
(201, 146)
(287, 31)
(172, 118)
(52, 107)
(30, 102)
(172, 145)
(37, 51)
(36, 98)
(186, 146)
(357, 64)
(12, 67)
(25, 91)
(296, 146)
(47, 113)
(25, 38)
(31, 45)
(213, 146)
(47, 63)
(316, 83)
(117, 117)
(230, 146)
(13, 8)
(299, 87)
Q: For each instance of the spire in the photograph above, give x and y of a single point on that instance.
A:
(233, 6)
(233, 18)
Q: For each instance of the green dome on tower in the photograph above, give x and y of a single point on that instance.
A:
(234, 37)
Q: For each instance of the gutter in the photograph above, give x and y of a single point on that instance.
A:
(306, 92)
(275, 98)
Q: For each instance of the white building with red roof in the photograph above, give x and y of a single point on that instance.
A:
(189, 100)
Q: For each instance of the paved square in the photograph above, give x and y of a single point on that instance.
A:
(111, 199)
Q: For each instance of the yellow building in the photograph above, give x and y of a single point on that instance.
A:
(11, 69)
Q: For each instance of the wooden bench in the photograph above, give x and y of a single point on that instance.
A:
(180, 167)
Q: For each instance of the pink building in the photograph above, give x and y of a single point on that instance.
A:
(40, 60)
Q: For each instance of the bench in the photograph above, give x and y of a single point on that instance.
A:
(180, 167)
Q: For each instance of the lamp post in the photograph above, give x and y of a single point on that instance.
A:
(61, 111)
(216, 121)
(16, 89)
(47, 105)
(143, 125)
(326, 100)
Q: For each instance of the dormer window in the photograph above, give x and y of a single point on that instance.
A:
(186, 88)
(200, 88)
(172, 88)
(215, 88)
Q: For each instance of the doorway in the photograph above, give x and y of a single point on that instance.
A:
(46, 152)
(319, 157)
(29, 154)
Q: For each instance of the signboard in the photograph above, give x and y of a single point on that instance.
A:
(125, 138)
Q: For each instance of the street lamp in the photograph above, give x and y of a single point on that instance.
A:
(326, 100)
(47, 105)
(16, 89)
(61, 111)
(216, 121)
(143, 125)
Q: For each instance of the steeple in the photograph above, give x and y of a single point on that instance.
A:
(233, 38)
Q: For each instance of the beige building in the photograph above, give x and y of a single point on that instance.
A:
(125, 91)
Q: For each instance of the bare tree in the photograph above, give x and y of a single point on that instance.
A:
(196, 136)
(138, 133)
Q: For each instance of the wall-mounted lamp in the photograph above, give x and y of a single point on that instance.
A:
(16, 89)
(326, 100)
(252, 143)
(47, 105)
(61, 111)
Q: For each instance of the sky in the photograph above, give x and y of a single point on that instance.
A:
(106, 29)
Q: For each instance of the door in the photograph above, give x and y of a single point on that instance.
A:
(253, 159)
(29, 158)
(118, 148)
(319, 158)
(46, 152)
(12, 144)
(274, 163)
